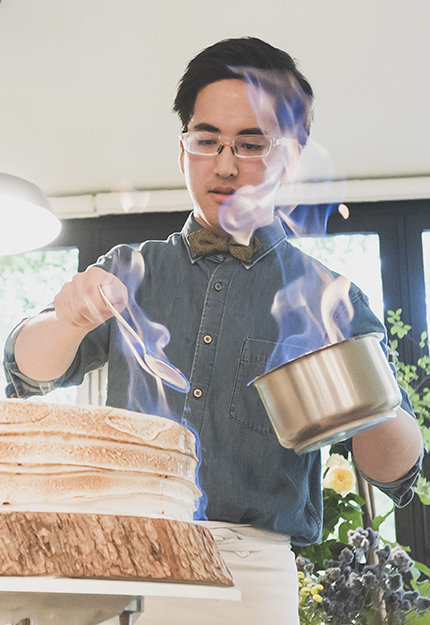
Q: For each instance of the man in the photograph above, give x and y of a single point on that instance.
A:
(217, 307)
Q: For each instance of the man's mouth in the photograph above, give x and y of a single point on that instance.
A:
(222, 192)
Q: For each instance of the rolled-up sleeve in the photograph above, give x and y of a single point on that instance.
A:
(91, 355)
(18, 384)
(401, 491)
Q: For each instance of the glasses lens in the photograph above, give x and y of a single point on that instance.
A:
(252, 146)
(245, 146)
(201, 143)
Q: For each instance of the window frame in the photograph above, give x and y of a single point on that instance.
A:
(399, 225)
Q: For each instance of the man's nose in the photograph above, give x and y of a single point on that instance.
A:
(226, 162)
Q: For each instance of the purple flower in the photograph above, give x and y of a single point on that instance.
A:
(346, 556)
(358, 539)
(373, 537)
(394, 582)
(370, 580)
(384, 554)
(405, 606)
(302, 563)
(400, 559)
(423, 604)
(412, 596)
(333, 574)
(354, 582)
(393, 601)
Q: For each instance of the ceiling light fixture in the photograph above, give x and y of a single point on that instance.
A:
(26, 218)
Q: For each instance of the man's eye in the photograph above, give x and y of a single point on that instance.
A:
(251, 147)
(206, 143)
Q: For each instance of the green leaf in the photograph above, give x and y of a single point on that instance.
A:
(422, 489)
(378, 520)
(426, 571)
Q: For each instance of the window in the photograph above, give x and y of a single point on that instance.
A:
(28, 282)
(355, 256)
(426, 259)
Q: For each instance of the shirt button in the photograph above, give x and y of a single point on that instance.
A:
(218, 286)
(207, 339)
(197, 392)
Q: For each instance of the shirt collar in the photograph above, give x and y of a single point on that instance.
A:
(269, 237)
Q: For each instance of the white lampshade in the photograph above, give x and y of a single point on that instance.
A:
(26, 218)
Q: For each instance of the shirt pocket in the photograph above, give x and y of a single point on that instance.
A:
(246, 406)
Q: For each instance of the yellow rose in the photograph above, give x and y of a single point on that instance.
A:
(340, 479)
(337, 460)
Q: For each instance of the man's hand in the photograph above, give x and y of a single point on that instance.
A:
(79, 303)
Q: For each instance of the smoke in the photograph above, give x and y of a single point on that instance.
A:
(314, 310)
(299, 185)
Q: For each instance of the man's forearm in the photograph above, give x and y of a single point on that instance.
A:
(47, 344)
(45, 347)
(386, 453)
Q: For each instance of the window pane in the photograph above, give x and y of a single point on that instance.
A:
(355, 256)
(426, 255)
(29, 282)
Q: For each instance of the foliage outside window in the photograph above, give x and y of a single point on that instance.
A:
(29, 282)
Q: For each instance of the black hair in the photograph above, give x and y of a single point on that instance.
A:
(278, 75)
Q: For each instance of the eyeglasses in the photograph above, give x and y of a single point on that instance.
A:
(243, 146)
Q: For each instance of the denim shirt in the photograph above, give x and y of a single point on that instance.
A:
(222, 335)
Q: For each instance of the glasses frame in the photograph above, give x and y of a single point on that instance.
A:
(274, 141)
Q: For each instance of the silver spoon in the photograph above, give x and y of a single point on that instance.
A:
(156, 367)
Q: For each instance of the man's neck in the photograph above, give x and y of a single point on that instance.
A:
(215, 229)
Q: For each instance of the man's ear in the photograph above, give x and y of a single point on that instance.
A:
(181, 157)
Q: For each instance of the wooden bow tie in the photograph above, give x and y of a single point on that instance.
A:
(204, 242)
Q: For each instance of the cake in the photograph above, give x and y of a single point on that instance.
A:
(100, 493)
(97, 460)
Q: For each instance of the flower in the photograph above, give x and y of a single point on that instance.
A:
(354, 590)
(340, 475)
(423, 604)
(346, 556)
(400, 559)
(337, 460)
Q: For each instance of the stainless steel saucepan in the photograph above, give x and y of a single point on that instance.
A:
(330, 394)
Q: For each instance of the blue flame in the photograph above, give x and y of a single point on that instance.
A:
(146, 393)
(202, 502)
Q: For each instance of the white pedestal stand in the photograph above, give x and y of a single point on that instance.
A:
(55, 600)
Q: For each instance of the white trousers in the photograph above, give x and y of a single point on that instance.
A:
(263, 566)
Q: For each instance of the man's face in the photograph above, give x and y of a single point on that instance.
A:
(223, 107)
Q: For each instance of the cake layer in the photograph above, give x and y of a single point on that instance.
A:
(58, 485)
(56, 449)
(136, 505)
(101, 423)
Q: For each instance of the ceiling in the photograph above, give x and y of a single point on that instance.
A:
(87, 86)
